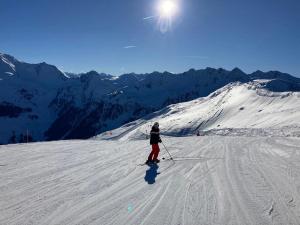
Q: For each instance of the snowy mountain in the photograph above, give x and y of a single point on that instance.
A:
(236, 109)
(44, 103)
(25, 92)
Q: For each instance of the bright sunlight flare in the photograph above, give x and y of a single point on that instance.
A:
(167, 8)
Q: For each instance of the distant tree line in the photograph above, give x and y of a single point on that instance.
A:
(22, 138)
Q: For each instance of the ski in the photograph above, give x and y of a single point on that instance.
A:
(149, 164)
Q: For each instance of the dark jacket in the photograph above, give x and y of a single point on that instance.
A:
(154, 136)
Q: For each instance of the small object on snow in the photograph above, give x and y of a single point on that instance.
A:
(169, 159)
(270, 211)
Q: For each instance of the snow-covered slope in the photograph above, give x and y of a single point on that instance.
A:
(239, 109)
(213, 180)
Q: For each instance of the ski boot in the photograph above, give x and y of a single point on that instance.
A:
(148, 162)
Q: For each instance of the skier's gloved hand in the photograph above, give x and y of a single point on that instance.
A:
(160, 141)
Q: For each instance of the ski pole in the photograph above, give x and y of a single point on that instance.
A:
(167, 151)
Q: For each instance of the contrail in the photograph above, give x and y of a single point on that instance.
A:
(149, 17)
(129, 46)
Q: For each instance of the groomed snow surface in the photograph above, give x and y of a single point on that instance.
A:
(213, 180)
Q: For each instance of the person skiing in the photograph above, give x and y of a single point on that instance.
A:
(154, 140)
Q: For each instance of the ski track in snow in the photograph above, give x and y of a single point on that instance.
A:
(214, 180)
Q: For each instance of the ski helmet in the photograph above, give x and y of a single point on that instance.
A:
(156, 124)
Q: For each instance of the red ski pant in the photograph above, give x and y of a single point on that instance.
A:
(154, 153)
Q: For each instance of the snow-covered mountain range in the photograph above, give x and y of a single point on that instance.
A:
(40, 102)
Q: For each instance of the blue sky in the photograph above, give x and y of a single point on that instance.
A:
(111, 36)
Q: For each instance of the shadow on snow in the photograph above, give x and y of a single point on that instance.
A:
(151, 173)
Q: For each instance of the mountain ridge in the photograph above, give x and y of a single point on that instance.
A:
(51, 105)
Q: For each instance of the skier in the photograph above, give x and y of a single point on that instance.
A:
(154, 140)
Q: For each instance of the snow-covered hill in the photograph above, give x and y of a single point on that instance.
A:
(39, 102)
(213, 180)
(236, 109)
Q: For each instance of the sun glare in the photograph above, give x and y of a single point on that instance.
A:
(167, 8)
(166, 11)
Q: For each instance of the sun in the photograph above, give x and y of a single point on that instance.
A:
(166, 12)
(167, 8)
